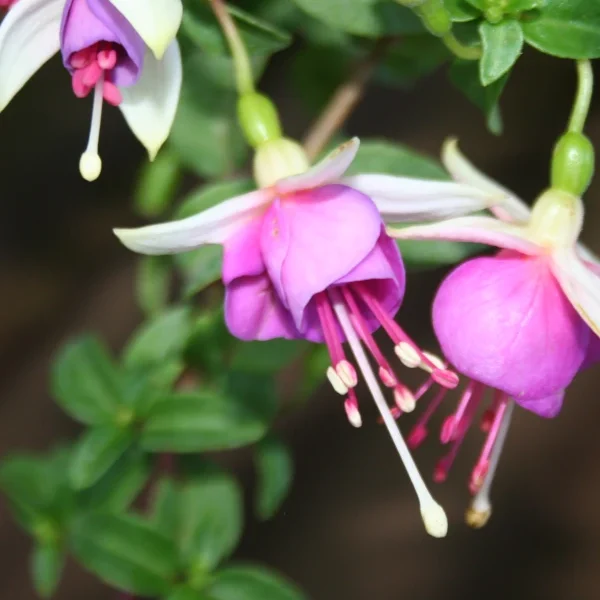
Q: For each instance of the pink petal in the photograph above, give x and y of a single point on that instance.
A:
(253, 310)
(329, 170)
(242, 254)
(484, 230)
(547, 407)
(383, 272)
(505, 321)
(311, 239)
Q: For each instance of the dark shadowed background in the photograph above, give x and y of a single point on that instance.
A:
(351, 528)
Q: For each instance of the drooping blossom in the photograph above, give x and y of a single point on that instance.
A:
(520, 324)
(307, 257)
(124, 51)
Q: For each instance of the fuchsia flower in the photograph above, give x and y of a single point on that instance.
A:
(122, 50)
(307, 257)
(7, 3)
(522, 323)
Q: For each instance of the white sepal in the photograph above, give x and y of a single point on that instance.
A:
(149, 106)
(29, 36)
(156, 21)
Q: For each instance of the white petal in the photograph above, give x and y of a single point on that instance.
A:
(484, 230)
(211, 226)
(511, 208)
(156, 21)
(330, 169)
(402, 199)
(150, 105)
(580, 284)
(29, 36)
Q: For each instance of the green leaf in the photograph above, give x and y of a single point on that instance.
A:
(381, 156)
(152, 284)
(23, 480)
(566, 28)
(252, 583)
(47, 562)
(203, 266)
(268, 357)
(411, 58)
(197, 422)
(159, 340)
(157, 184)
(120, 485)
(318, 69)
(205, 134)
(460, 11)
(38, 491)
(465, 76)
(260, 38)
(210, 517)
(369, 18)
(210, 344)
(126, 552)
(86, 383)
(96, 452)
(502, 46)
(275, 472)
(186, 593)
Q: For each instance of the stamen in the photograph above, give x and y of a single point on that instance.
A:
(434, 517)
(480, 510)
(352, 412)
(343, 373)
(419, 431)
(406, 349)
(336, 381)
(408, 355)
(347, 373)
(483, 462)
(90, 163)
(449, 430)
(458, 433)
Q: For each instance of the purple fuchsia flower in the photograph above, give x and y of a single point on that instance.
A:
(521, 323)
(122, 50)
(307, 257)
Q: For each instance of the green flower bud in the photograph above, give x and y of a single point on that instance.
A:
(572, 163)
(258, 119)
(435, 17)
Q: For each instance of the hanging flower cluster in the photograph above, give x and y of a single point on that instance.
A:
(521, 323)
(122, 51)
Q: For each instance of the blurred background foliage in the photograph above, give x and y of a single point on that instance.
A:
(181, 438)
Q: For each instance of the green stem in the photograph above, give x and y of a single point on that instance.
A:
(585, 87)
(243, 67)
(459, 49)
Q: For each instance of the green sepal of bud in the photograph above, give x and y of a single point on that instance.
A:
(435, 17)
(572, 163)
(258, 119)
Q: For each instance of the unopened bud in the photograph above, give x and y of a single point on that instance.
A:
(572, 163)
(258, 119)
